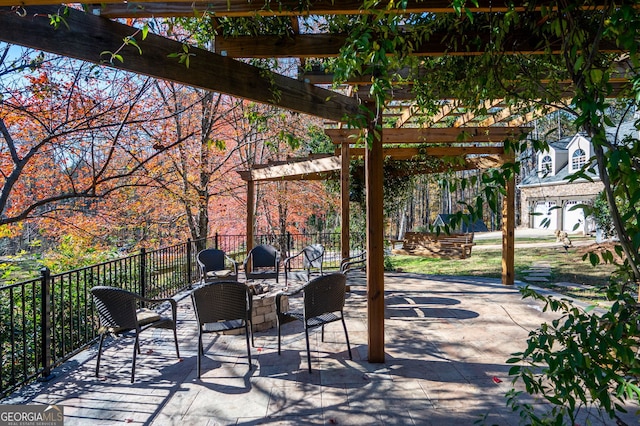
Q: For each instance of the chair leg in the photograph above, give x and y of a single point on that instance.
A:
(346, 335)
(279, 331)
(306, 332)
(135, 353)
(251, 328)
(99, 354)
(175, 336)
(200, 351)
(246, 332)
(137, 343)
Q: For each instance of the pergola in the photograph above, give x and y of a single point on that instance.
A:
(87, 34)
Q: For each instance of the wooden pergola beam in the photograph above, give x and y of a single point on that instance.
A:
(329, 45)
(492, 157)
(244, 8)
(432, 135)
(470, 163)
(409, 153)
(302, 170)
(86, 37)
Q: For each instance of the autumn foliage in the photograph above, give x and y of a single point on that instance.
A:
(122, 160)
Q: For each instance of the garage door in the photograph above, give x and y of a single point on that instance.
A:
(571, 218)
(545, 217)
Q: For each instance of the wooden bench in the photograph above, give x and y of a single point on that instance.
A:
(436, 245)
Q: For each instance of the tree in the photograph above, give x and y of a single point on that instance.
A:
(72, 137)
(198, 171)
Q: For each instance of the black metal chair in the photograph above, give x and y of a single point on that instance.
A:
(215, 264)
(312, 258)
(121, 311)
(323, 302)
(262, 262)
(222, 306)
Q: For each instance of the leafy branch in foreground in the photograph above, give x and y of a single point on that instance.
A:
(183, 56)
(583, 361)
(127, 41)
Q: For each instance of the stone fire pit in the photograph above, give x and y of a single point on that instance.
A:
(264, 307)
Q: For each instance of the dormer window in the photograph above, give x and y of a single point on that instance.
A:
(546, 164)
(578, 159)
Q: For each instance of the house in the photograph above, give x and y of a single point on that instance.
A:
(478, 226)
(548, 199)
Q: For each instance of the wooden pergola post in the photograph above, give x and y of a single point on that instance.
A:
(250, 213)
(508, 227)
(373, 165)
(344, 196)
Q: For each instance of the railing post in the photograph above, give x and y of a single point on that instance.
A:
(189, 252)
(45, 324)
(143, 272)
(215, 242)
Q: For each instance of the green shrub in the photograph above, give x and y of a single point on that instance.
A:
(582, 360)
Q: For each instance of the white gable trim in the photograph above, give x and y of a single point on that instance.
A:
(578, 142)
(541, 156)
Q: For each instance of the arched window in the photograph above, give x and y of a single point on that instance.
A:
(546, 164)
(578, 159)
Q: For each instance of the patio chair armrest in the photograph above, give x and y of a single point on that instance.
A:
(174, 304)
(348, 262)
(357, 257)
(287, 260)
(233, 262)
(279, 296)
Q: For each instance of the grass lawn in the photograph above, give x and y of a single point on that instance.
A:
(566, 266)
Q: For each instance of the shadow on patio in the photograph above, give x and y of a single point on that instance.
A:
(447, 340)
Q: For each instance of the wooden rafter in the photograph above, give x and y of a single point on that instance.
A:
(88, 36)
(406, 115)
(469, 115)
(445, 110)
(532, 115)
(503, 114)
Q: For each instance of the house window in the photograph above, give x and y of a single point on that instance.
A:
(578, 159)
(545, 164)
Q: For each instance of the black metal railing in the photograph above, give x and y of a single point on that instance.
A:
(47, 320)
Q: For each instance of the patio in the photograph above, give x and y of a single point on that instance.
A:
(447, 339)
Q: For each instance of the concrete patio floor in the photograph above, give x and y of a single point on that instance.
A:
(447, 340)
